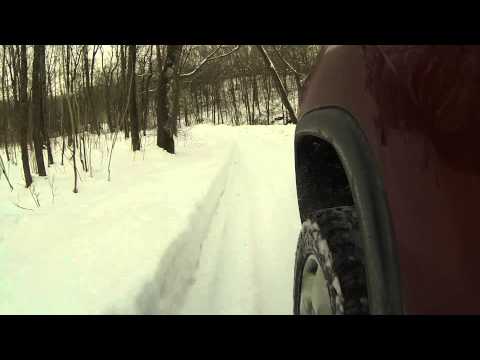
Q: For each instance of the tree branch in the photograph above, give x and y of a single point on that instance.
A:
(208, 59)
(289, 66)
(187, 55)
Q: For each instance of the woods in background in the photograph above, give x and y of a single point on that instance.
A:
(65, 95)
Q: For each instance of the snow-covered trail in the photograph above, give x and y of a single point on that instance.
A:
(246, 261)
(210, 230)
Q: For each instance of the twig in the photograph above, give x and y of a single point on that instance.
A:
(51, 183)
(34, 194)
(21, 207)
(5, 173)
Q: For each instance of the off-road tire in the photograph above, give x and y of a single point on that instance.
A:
(332, 236)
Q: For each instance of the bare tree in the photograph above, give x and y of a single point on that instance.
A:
(108, 70)
(5, 112)
(37, 105)
(280, 88)
(24, 114)
(68, 83)
(146, 76)
(168, 92)
(123, 79)
(166, 98)
(132, 58)
(46, 85)
(73, 96)
(299, 74)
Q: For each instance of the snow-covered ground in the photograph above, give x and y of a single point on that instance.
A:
(210, 230)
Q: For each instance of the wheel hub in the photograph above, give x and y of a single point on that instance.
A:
(314, 297)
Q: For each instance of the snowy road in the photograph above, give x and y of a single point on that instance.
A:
(247, 257)
(211, 230)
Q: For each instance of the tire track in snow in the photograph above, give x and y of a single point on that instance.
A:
(228, 274)
(247, 261)
(165, 292)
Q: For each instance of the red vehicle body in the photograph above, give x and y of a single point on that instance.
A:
(418, 108)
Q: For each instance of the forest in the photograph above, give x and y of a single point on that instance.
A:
(60, 101)
(149, 179)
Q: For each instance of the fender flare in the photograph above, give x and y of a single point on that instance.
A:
(340, 129)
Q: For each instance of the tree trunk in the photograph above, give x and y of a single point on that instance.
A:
(268, 90)
(37, 108)
(298, 82)
(142, 69)
(46, 113)
(50, 111)
(197, 107)
(69, 87)
(135, 129)
(147, 94)
(214, 110)
(5, 103)
(247, 101)
(24, 114)
(167, 98)
(234, 101)
(255, 100)
(123, 66)
(221, 97)
(108, 108)
(187, 122)
(91, 95)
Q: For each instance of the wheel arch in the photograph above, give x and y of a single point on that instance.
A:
(352, 178)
